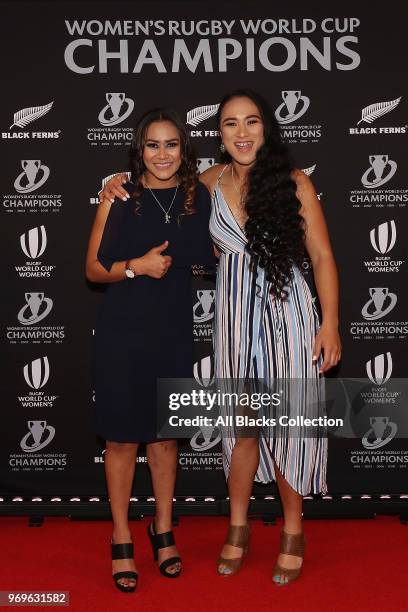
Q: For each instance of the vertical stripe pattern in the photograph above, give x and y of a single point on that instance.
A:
(259, 337)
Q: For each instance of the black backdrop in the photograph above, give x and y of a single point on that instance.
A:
(337, 82)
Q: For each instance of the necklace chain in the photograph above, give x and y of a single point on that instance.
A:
(241, 198)
(237, 189)
(166, 212)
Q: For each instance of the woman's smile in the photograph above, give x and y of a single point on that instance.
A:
(244, 146)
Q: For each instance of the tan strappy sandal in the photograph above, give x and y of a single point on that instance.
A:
(290, 544)
(238, 535)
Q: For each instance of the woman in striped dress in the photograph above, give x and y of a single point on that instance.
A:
(266, 325)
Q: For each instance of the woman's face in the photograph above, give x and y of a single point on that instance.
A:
(242, 130)
(162, 150)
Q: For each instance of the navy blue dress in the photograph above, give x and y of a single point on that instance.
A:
(144, 326)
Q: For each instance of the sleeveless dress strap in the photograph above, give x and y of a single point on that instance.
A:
(222, 171)
(218, 178)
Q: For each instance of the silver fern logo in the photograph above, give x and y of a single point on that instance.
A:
(34, 175)
(379, 369)
(383, 237)
(94, 200)
(108, 178)
(374, 111)
(381, 302)
(118, 109)
(33, 242)
(27, 115)
(308, 171)
(294, 105)
(37, 372)
(371, 113)
(380, 171)
(201, 113)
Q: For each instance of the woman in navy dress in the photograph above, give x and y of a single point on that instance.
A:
(143, 250)
(266, 326)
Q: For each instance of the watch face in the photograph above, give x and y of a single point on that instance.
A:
(129, 273)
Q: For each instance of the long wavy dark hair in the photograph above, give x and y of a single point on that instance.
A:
(187, 173)
(274, 228)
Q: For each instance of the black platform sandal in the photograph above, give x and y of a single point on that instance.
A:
(123, 551)
(163, 540)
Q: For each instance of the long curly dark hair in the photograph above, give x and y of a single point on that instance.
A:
(274, 228)
(187, 173)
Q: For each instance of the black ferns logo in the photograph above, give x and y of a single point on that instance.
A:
(26, 115)
(201, 113)
(308, 171)
(374, 111)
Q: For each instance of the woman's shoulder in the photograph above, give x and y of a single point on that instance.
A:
(302, 180)
(209, 177)
(201, 191)
(202, 199)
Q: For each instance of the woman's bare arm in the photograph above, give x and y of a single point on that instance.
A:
(94, 270)
(324, 268)
(153, 263)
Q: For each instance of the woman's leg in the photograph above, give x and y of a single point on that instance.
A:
(292, 517)
(244, 463)
(162, 460)
(120, 461)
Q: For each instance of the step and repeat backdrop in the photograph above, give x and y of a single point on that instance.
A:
(75, 78)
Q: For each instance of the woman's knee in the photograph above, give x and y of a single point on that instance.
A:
(125, 448)
(159, 451)
(162, 447)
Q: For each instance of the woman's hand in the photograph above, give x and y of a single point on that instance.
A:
(113, 188)
(153, 263)
(328, 339)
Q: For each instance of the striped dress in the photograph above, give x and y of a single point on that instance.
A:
(258, 337)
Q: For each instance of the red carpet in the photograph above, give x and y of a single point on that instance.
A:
(350, 565)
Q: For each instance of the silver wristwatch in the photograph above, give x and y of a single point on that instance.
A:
(130, 273)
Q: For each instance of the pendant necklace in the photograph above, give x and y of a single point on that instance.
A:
(166, 212)
(239, 192)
